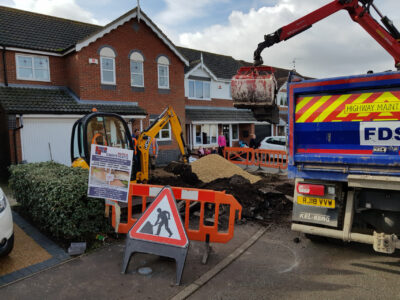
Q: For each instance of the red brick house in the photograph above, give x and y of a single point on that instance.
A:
(54, 70)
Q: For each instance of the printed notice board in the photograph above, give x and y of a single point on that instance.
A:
(110, 172)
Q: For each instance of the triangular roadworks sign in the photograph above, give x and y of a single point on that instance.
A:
(161, 222)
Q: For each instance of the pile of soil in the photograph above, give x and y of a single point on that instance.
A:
(264, 201)
(214, 166)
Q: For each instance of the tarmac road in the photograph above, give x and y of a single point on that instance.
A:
(274, 267)
(277, 268)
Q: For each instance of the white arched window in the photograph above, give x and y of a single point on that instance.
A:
(163, 72)
(137, 78)
(107, 65)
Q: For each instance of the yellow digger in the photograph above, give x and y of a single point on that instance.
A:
(109, 129)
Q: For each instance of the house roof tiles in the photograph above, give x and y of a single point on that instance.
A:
(222, 66)
(19, 28)
(16, 100)
(219, 115)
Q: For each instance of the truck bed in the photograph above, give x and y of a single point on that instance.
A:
(342, 126)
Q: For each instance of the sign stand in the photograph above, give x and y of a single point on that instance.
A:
(159, 231)
(179, 254)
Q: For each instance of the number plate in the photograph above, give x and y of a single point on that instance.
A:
(314, 201)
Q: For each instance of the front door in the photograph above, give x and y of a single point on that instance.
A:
(225, 132)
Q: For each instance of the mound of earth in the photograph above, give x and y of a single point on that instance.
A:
(214, 166)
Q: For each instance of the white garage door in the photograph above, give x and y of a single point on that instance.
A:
(44, 139)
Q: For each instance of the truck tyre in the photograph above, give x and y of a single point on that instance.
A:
(316, 238)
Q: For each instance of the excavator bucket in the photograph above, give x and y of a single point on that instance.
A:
(253, 87)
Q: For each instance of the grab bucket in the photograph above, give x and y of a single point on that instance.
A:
(253, 86)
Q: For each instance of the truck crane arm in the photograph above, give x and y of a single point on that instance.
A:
(359, 11)
(145, 138)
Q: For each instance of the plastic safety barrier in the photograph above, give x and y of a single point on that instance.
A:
(239, 155)
(257, 157)
(143, 194)
(271, 158)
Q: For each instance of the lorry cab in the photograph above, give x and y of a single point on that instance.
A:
(106, 129)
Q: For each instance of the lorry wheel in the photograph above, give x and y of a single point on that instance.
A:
(316, 238)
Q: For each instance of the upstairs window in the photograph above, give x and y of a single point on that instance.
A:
(163, 72)
(107, 66)
(282, 100)
(137, 78)
(199, 89)
(30, 67)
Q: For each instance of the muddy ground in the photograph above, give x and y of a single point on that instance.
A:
(265, 201)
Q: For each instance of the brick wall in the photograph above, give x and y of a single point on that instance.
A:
(11, 144)
(57, 70)
(242, 129)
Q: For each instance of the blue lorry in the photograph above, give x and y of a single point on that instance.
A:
(344, 154)
(343, 136)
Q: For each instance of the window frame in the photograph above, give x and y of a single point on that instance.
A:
(237, 132)
(158, 75)
(194, 89)
(282, 99)
(114, 82)
(32, 57)
(133, 73)
(136, 60)
(159, 135)
(202, 142)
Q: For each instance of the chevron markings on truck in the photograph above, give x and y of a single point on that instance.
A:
(377, 106)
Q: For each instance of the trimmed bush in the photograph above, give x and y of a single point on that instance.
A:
(54, 197)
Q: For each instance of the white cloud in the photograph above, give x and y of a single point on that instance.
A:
(68, 9)
(334, 46)
(178, 11)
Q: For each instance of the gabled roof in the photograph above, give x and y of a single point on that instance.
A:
(23, 29)
(222, 66)
(123, 19)
(201, 66)
(16, 100)
(19, 28)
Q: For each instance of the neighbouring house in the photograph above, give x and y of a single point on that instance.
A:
(208, 102)
(53, 71)
(209, 105)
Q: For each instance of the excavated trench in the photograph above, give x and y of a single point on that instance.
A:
(264, 201)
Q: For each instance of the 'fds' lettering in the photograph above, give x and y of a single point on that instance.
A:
(383, 133)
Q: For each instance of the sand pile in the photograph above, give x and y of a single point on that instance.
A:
(213, 166)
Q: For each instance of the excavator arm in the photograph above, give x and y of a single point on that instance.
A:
(145, 138)
(359, 12)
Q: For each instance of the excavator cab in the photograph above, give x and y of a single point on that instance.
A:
(106, 129)
(255, 88)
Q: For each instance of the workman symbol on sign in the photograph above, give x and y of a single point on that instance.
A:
(162, 220)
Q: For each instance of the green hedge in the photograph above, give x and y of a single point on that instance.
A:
(54, 197)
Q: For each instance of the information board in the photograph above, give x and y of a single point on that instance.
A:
(110, 172)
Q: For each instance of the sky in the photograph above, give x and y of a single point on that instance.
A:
(335, 46)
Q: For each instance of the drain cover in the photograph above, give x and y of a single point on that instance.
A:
(145, 271)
